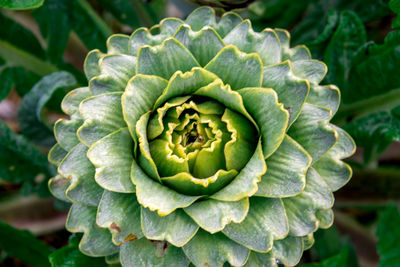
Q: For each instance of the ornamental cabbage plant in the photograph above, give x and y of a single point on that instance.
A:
(200, 142)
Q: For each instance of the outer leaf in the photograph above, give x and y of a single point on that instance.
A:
(203, 16)
(102, 115)
(58, 186)
(30, 113)
(112, 158)
(288, 250)
(312, 128)
(144, 252)
(271, 117)
(155, 196)
(312, 70)
(213, 215)
(287, 168)
(229, 64)
(265, 44)
(214, 250)
(265, 222)
(165, 59)
(261, 259)
(95, 241)
(301, 209)
(388, 234)
(91, 65)
(120, 213)
(177, 228)
(24, 246)
(80, 172)
(335, 172)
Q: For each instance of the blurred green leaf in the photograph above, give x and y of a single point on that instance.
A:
(20, 37)
(375, 132)
(374, 70)
(88, 25)
(53, 20)
(395, 7)
(20, 161)
(388, 233)
(18, 78)
(346, 40)
(70, 256)
(24, 246)
(123, 10)
(339, 260)
(327, 243)
(32, 121)
(21, 4)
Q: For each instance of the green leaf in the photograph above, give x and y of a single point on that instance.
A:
(394, 5)
(214, 250)
(325, 218)
(292, 91)
(120, 213)
(155, 36)
(24, 245)
(31, 118)
(375, 132)
(311, 70)
(202, 16)
(326, 96)
(118, 44)
(301, 209)
(102, 115)
(335, 172)
(91, 65)
(65, 133)
(312, 127)
(204, 44)
(95, 241)
(21, 4)
(286, 173)
(388, 235)
(263, 105)
(349, 36)
(265, 44)
(165, 59)
(227, 22)
(288, 250)
(70, 256)
(213, 215)
(112, 157)
(229, 63)
(264, 222)
(177, 228)
(80, 172)
(58, 186)
(155, 196)
(115, 72)
(245, 183)
(260, 259)
(144, 252)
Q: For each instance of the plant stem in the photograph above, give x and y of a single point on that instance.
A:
(18, 57)
(103, 27)
(364, 107)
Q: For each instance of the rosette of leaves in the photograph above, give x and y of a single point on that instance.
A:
(200, 142)
(225, 4)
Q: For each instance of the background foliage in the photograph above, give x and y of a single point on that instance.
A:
(42, 48)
